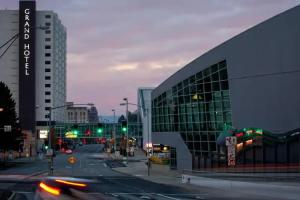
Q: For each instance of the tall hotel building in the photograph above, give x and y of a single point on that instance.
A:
(34, 67)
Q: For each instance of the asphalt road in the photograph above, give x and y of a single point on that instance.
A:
(109, 184)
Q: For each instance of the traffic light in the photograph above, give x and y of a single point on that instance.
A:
(75, 129)
(99, 128)
(46, 144)
(124, 126)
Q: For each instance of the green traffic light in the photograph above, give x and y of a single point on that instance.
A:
(75, 132)
(46, 147)
(99, 130)
(124, 129)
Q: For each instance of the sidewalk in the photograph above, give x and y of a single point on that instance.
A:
(136, 166)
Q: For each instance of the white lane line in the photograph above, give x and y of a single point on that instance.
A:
(104, 164)
(145, 197)
(91, 164)
(138, 175)
(167, 197)
(23, 192)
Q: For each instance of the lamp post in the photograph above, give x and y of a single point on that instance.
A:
(114, 130)
(16, 36)
(49, 133)
(148, 127)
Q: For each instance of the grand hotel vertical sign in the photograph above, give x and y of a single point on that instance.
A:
(27, 64)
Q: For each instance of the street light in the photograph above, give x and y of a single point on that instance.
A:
(16, 36)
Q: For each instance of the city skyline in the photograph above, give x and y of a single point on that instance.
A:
(141, 43)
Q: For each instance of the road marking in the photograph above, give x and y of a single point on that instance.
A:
(104, 164)
(167, 197)
(23, 192)
(145, 197)
(91, 164)
(138, 175)
(12, 196)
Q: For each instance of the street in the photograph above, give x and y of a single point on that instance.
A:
(93, 164)
(109, 184)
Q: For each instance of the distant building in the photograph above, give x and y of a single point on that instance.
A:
(93, 115)
(76, 114)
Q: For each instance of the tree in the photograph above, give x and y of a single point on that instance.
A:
(8, 140)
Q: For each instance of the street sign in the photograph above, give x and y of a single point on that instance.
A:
(230, 141)
(72, 160)
(7, 128)
(231, 155)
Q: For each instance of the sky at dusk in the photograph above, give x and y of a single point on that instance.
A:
(116, 46)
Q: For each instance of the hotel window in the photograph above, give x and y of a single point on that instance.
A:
(47, 39)
(47, 31)
(47, 16)
(47, 100)
(47, 70)
(47, 85)
(47, 24)
(47, 93)
(47, 47)
(47, 77)
(46, 116)
(47, 62)
(47, 108)
(47, 54)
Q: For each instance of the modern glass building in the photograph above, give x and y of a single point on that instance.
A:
(198, 107)
(245, 82)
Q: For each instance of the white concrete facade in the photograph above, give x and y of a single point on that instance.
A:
(76, 115)
(145, 112)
